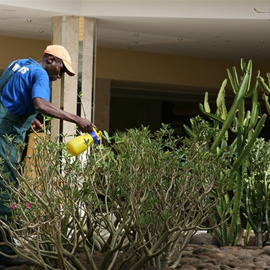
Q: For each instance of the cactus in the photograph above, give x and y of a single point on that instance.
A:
(238, 129)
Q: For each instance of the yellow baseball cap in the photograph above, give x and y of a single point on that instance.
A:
(61, 52)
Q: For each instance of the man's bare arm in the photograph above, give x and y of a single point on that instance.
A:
(47, 108)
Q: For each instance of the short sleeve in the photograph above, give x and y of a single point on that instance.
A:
(41, 87)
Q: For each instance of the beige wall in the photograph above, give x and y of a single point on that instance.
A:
(163, 68)
(15, 48)
(135, 66)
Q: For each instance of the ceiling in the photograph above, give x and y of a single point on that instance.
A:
(214, 29)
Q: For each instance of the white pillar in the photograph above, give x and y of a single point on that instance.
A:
(77, 35)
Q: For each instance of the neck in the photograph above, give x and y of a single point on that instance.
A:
(41, 62)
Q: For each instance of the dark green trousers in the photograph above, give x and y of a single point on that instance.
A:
(16, 127)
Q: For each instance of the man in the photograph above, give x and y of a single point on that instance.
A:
(25, 92)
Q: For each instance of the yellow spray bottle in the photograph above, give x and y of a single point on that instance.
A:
(80, 143)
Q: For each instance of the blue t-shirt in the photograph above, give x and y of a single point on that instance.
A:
(29, 81)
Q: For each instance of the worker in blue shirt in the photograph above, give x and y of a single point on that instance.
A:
(25, 92)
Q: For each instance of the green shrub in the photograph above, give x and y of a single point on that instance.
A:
(257, 195)
(137, 199)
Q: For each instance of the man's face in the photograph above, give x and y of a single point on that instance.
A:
(55, 68)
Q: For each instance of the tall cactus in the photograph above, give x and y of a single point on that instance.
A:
(238, 129)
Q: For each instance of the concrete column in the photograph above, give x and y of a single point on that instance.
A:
(56, 86)
(88, 68)
(77, 35)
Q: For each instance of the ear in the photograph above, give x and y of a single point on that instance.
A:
(50, 59)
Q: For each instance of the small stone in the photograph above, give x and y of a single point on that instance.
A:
(224, 261)
(189, 247)
(266, 250)
(248, 266)
(255, 252)
(204, 239)
(207, 266)
(222, 255)
(199, 250)
(261, 264)
(213, 261)
(263, 257)
(186, 253)
(188, 260)
(247, 257)
(188, 267)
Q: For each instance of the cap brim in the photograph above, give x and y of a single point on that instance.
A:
(69, 69)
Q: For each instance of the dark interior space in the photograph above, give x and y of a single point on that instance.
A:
(131, 108)
(134, 107)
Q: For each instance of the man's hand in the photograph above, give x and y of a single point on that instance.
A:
(36, 125)
(85, 125)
